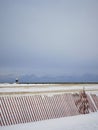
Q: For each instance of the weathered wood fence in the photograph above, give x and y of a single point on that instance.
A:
(22, 109)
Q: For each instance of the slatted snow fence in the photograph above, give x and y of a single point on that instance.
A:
(22, 109)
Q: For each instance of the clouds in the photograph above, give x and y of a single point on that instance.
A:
(42, 36)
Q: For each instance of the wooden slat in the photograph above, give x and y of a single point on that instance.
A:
(14, 109)
(3, 117)
(59, 105)
(26, 109)
(32, 108)
(10, 111)
(91, 106)
(95, 98)
(5, 111)
(55, 107)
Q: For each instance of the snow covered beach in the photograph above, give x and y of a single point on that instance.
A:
(46, 88)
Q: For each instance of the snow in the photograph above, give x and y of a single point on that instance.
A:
(45, 87)
(79, 122)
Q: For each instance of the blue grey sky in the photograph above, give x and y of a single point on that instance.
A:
(48, 37)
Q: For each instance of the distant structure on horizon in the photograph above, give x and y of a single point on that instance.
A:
(17, 80)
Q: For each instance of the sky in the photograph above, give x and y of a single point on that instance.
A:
(48, 37)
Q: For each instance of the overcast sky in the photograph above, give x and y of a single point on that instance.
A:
(49, 37)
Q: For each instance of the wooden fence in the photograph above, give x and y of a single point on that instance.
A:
(22, 109)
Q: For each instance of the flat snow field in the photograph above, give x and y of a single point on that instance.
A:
(46, 87)
(80, 122)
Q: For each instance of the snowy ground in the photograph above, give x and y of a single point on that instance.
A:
(46, 87)
(80, 122)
